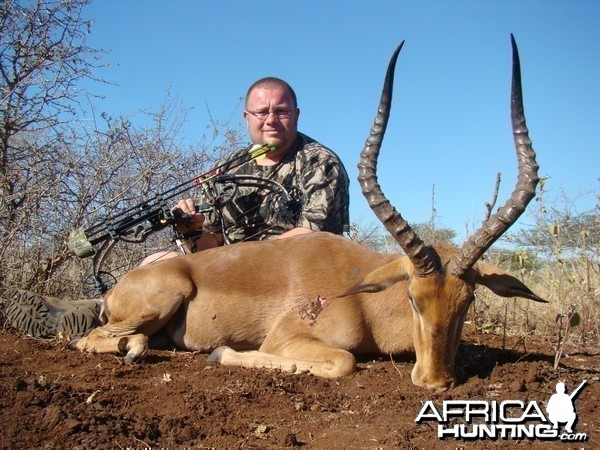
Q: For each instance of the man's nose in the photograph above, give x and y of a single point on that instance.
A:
(271, 117)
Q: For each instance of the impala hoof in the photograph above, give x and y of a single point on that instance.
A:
(134, 356)
(74, 344)
(133, 347)
(217, 354)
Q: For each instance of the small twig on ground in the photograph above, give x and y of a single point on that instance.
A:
(395, 366)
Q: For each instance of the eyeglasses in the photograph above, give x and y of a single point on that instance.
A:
(280, 113)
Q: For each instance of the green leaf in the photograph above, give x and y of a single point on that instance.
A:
(575, 320)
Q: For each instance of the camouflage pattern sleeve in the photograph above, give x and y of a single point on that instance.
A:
(325, 191)
(312, 175)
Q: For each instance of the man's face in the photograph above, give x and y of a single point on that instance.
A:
(278, 129)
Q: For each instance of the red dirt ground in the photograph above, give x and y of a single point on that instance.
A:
(54, 397)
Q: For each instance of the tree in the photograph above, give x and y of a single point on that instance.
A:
(560, 230)
(432, 234)
(376, 237)
(43, 57)
(59, 172)
(103, 169)
(370, 234)
(564, 229)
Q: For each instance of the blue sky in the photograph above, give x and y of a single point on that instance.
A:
(450, 123)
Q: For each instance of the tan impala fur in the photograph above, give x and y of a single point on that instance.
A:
(307, 303)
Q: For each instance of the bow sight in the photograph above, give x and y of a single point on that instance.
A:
(136, 223)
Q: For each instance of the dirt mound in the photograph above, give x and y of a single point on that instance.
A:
(54, 397)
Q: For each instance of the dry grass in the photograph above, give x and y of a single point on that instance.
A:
(569, 287)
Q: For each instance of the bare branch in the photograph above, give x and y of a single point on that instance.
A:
(490, 205)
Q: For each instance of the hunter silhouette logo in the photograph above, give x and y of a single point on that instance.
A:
(509, 419)
(560, 407)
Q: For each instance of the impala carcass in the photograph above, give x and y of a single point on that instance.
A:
(313, 302)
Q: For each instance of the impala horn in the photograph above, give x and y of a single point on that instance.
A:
(524, 191)
(423, 258)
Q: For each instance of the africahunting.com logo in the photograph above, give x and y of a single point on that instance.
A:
(509, 419)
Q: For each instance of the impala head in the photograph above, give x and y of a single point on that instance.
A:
(441, 279)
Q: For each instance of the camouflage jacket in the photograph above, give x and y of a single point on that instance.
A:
(313, 176)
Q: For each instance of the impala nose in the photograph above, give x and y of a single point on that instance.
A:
(436, 384)
(441, 386)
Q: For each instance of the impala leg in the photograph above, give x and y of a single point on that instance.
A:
(136, 309)
(324, 361)
(129, 336)
(291, 347)
(108, 339)
(313, 355)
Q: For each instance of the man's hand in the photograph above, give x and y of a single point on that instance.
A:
(195, 219)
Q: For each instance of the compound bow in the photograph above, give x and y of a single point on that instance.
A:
(136, 223)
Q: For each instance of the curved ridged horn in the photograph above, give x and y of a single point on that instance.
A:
(524, 191)
(420, 255)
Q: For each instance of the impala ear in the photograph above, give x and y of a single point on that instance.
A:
(383, 277)
(502, 283)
